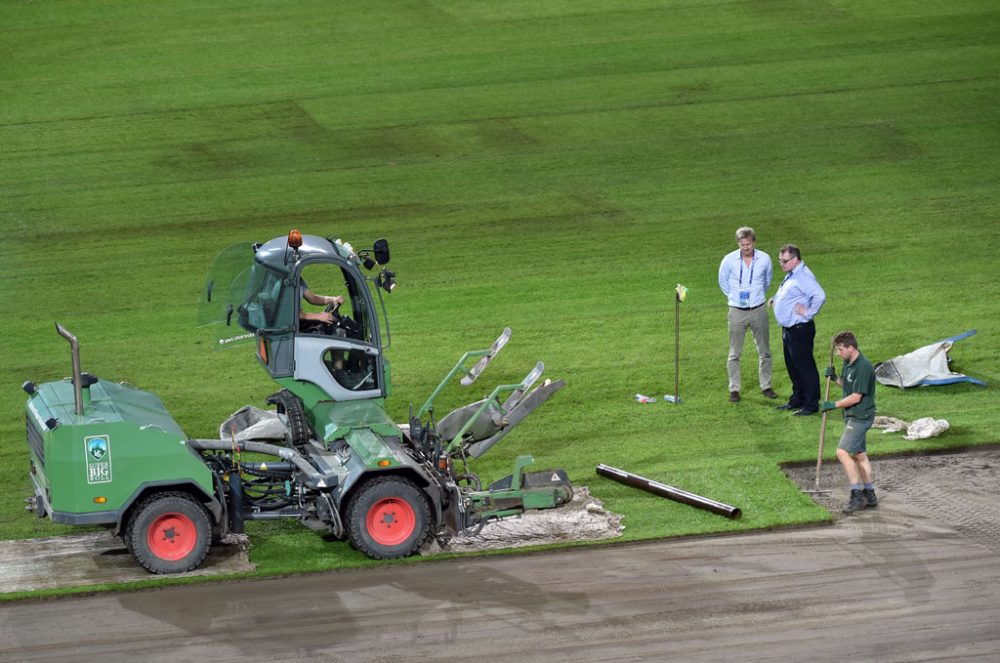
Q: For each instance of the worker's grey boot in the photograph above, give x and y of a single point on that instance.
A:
(856, 503)
(870, 499)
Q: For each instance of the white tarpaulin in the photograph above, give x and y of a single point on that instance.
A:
(927, 366)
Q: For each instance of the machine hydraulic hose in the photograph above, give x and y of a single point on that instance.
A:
(314, 479)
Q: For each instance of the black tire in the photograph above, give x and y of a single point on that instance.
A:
(169, 533)
(288, 404)
(388, 518)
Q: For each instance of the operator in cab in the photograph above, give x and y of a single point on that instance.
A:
(332, 303)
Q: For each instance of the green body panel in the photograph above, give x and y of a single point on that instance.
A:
(541, 498)
(307, 391)
(335, 416)
(501, 503)
(109, 402)
(324, 412)
(365, 425)
(369, 449)
(124, 438)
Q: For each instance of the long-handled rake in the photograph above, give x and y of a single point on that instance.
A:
(822, 432)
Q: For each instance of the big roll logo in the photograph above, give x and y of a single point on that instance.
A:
(98, 453)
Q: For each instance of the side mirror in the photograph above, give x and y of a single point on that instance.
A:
(382, 251)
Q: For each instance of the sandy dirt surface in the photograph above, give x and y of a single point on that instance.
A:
(92, 559)
(916, 579)
(82, 560)
(960, 490)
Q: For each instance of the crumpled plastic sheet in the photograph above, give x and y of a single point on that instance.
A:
(921, 429)
(583, 519)
(890, 424)
(252, 423)
(926, 427)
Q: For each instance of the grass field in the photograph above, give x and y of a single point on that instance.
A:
(556, 167)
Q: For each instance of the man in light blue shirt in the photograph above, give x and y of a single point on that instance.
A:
(744, 277)
(796, 302)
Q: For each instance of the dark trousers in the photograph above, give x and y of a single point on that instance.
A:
(797, 343)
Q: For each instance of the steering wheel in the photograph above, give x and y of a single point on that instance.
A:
(343, 325)
(332, 328)
(336, 326)
(340, 325)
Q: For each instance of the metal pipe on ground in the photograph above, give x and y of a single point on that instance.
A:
(670, 492)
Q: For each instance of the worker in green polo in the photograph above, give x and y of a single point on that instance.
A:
(858, 380)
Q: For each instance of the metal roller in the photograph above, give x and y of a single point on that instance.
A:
(663, 490)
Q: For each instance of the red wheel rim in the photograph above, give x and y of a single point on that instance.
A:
(390, 521)
(172, 536)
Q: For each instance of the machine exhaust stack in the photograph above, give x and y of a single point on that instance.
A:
(74, 347)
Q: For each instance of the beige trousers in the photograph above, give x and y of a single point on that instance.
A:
(756, 321)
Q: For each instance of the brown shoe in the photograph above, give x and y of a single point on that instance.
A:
(769, 393)
(734, 397)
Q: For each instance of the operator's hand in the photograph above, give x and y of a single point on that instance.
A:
(827, 406)
(335, 302)
(830, 372)
(324, 316)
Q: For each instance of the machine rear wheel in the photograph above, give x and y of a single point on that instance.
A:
(388, 518)
(169, 533)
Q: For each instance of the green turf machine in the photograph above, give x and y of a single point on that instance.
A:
(327, 454)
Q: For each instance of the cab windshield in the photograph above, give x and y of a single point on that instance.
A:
(224, 291)
(267, 304)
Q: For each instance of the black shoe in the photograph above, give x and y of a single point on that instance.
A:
(734, 397)
(870, 500)
(803, 413)
(856, 503)
(784, 406)
(769, 393)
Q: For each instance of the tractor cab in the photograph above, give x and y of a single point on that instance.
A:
(310, 311)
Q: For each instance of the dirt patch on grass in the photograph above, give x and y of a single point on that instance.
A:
(93, 559)
(961, 489)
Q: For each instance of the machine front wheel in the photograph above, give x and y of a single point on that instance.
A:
(169, 533)
(388, 518)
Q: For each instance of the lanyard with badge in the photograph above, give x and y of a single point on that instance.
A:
(745, 293)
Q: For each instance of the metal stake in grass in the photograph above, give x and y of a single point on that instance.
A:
(681, 295)
(822, 432)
